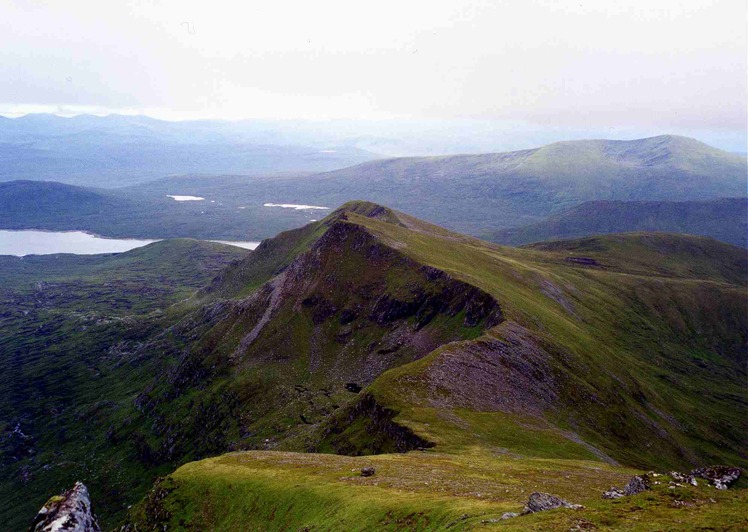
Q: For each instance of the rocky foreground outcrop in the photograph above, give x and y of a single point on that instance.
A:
(68, 512)
(719, 476)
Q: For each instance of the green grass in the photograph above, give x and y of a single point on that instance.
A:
(70, 327)
(638, 359)
(420, 491)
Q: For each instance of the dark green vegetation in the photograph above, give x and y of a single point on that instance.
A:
(120, 150)
(57, 207)
(146, 278)
(561, 367)
(475, 194)
(723, 219)
(64, 321)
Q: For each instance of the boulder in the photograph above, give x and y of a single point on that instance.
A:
(719, 476)
(69, 512)
(613, 493)
(540, 502)
(368, 471)
(637, 484)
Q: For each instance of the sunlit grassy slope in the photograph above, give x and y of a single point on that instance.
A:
(613, 354)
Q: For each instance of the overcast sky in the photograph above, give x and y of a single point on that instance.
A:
(643, 64)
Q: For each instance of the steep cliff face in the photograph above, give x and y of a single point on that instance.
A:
(69, 512)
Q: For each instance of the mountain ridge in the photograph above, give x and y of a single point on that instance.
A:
(485, 192)
(371, 331)
(533, 384)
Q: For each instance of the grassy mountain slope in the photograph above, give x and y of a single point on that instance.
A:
(594, 362)
(592, 321)
(418, 491)
(628, 348)
(65, 319)
(374, 332)
(484, 192)
(723, 219)
(516, 188)
(148, 277)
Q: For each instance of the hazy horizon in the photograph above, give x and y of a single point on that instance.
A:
(436, 137)
(542, 70)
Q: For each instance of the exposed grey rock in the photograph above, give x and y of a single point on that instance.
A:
(69, 512)
(509, 515)
(613, 493)
(539, 502)
(636, 485)
(719, 476)
(684, 478)
(368, 471)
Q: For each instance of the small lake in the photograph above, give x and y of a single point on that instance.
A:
(20, 243)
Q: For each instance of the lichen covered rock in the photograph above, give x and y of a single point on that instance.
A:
(69, 512)
(637, 484)
(540, 502)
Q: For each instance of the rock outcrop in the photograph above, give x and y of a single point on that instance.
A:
(719, 476)
(637, 484)
(540, 502)
(69, 512)
(613, 493)
(684, 478)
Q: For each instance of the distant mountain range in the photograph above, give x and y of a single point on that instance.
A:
(723, 219)
(117, 150)
(475, 194)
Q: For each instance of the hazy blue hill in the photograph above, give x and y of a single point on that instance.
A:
(29, 202)
(474, 194)
(480, 193)
(114, 213)
(516, 188)
(117, 150)
(723, 219)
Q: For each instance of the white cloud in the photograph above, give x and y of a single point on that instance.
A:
(559, 63)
